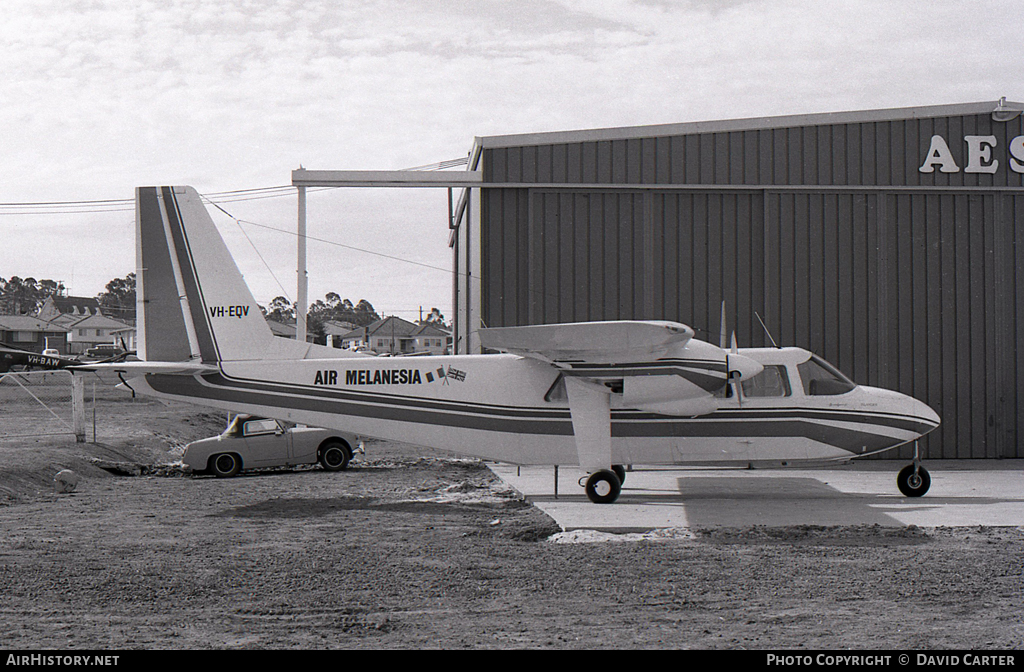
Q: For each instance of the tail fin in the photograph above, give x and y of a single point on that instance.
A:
(192, 302)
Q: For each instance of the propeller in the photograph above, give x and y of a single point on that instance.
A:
(737, 367)
(732, 376)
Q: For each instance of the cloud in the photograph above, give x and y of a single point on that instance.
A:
(104, 96)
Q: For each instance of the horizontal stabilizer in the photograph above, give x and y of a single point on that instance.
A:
(141, 368)
(596, 342)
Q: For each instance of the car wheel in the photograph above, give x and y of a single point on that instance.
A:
(335, 455)
(225, 465)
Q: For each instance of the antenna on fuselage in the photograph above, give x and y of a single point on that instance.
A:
(769, 334)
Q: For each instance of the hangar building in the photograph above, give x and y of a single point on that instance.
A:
(884, 240)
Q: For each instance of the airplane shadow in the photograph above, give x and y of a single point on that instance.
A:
(300, 507)
(739, 501)
(733, 501)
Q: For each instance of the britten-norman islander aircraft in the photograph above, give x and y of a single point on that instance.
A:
(595, 394)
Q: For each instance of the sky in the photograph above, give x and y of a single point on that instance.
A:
(101, 96)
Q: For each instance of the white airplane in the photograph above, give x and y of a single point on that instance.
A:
(598, 394)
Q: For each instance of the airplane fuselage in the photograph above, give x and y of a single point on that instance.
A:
(508, 408)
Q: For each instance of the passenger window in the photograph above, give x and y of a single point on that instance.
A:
(771, 382)
(821, 378)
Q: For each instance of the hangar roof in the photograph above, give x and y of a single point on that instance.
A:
(1005, 110)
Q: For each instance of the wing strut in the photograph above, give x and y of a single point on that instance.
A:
(590, 407)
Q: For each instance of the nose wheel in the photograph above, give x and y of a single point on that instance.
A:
(913, 480)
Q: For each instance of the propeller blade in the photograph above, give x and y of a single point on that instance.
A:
(721, 333)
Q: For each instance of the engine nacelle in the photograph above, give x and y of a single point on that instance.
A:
(667, 395)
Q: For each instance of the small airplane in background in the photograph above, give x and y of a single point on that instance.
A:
(49, 359)
(599, 394)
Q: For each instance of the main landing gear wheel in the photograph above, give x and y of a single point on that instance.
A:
(913, 480)
(620, 471)
(603, 487)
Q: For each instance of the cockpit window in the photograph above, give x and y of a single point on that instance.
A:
(771, 382)
(821, 378)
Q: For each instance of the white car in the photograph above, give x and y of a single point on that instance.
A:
(252, 442)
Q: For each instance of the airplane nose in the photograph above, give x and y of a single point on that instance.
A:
(926, 413)
(921, 416)
(745, 366)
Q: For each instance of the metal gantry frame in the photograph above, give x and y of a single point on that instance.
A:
(302, 178)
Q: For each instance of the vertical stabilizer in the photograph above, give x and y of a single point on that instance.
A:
(193, 304)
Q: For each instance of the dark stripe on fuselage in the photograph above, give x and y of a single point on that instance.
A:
(709, 426)
(364, 397)
(795, 423)
(499, 419)
(893, 420)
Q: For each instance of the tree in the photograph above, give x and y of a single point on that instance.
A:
(332, 307)
(315, 317)
(335, 308)
(435, 318)
(364, 313)
(24, 297)
(119, 299)
(281, 310)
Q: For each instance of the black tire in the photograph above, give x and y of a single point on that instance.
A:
(335, 455)
(913, 483)
(225, 465)
(620, 471)
(603, 487)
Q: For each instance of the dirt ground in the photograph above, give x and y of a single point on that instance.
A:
(411, 549)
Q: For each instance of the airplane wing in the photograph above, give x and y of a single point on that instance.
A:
(595, 342)
(657, 366)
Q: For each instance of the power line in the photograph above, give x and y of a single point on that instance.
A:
(128, 204)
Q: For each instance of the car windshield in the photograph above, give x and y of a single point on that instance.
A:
(821, 378)
(260, 426)
(238, 423)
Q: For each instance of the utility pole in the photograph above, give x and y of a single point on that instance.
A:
(303, 280)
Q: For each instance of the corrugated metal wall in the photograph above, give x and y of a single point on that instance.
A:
(871, 154)
(918, 290)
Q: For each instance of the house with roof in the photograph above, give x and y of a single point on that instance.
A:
(336, 330)
(86, 324)
(286, 330)
(90, 331)
(68, 309)
(27, 332)
(395, 336)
